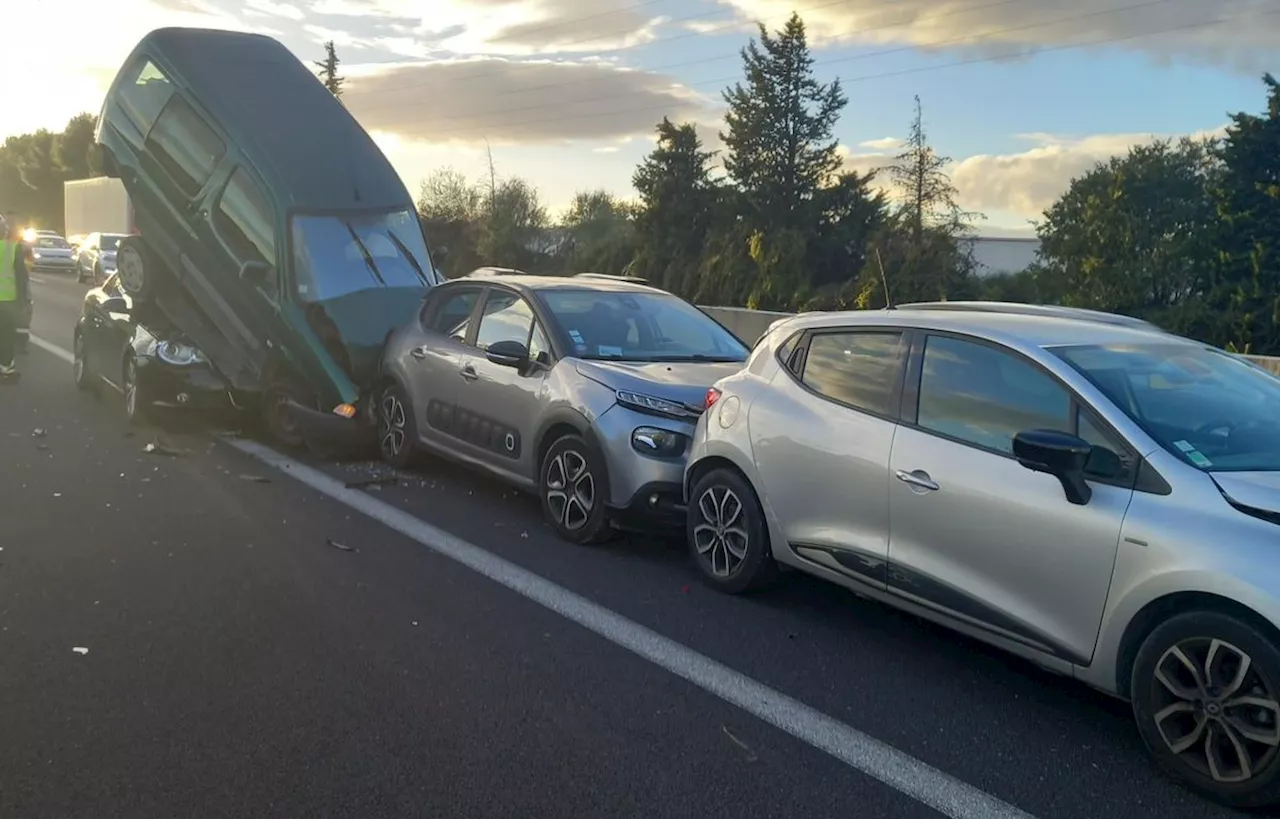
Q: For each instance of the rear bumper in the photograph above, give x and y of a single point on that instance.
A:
(53, 267)
(332, 430)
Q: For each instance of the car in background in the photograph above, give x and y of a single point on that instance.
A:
(146, 365)
(96, 259)
(583, 390)
(272, 230)
(1100, 498)
(50, 253)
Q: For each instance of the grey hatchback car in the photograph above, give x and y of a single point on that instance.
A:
(585, 390)
(1103, 500)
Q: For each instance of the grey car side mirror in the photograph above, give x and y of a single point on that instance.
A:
(508, 353)
(1059, 454)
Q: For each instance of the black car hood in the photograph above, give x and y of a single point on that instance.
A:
(360, 323)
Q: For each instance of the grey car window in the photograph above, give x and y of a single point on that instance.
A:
(506, 317)
(453, 314)
(858, 369)
(185, 146)
(981, 395)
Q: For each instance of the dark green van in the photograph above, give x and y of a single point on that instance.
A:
(270, 227)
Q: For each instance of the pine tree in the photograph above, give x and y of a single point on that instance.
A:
(779, 139)
(328, 70)
(930, 198)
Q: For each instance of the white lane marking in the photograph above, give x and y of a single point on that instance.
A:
(50, 347)
(897, 769)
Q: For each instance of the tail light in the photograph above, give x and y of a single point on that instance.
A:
(713, 395)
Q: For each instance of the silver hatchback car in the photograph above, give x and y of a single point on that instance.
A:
(585, 390)
(1101, 499)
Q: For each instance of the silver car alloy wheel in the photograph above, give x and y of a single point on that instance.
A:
(129, 268)
(720, 538)
(571, 489)
(392, 423)
(1214, 710)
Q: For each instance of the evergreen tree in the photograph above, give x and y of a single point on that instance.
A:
(328, 70)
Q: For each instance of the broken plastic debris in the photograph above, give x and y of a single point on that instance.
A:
(335, 544)
(81, 650)
(39, 433)
(157, 448)
(255, 478)
(372, 482)
(524, 534)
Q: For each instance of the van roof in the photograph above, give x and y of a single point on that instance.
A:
(299, 133)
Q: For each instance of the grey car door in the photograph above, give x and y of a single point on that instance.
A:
(499, 404)
(977, 536)
(821, 438)
(434, 364)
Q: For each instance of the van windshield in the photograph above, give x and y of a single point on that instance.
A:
(337, 255)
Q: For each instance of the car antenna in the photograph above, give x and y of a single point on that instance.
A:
(884, 280)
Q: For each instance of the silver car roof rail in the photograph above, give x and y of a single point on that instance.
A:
(1022, 309)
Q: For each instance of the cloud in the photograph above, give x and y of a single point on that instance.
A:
(269, 8)
(1247, 37)
(885, 144)
(517, 101)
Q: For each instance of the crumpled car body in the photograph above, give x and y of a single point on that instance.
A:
(271, 228)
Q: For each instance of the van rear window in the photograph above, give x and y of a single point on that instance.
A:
(145, 96)
(185, 146)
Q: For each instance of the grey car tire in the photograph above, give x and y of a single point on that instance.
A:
(1204, 691)
(397, 428)
(727, 534)
(79, 366)
(136, 404)
(573, 487)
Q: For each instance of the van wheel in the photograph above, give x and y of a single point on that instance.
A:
(1206, 697)
(280, 423)
(137, 267)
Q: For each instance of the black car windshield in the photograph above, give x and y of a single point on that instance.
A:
(337, 255)
(622, 326)
(52, 241)
(109, 242)
(1213, 410)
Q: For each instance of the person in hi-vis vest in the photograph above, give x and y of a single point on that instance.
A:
(15, 296)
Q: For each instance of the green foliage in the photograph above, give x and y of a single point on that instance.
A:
(327, 69)
(33, 167)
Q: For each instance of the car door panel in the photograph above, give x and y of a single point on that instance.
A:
(981, 538)
(433, 361)
(824, 464)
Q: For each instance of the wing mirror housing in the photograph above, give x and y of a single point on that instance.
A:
(255, 272)
(508, 353)
(1059, 454)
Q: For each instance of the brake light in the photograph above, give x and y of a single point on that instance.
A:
(713, 395)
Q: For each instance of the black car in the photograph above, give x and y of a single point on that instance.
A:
(148, 365)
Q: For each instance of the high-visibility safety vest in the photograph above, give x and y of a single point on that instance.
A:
(8, 278)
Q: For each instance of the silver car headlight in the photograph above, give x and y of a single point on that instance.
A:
(178, 354)
(658, 406)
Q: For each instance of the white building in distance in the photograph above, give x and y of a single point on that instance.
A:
(998, 255)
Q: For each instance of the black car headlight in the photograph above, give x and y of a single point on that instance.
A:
(658, 443)
(179, 354)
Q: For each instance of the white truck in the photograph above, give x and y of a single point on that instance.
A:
(99, 205)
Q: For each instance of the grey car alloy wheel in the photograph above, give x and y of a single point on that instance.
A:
(720, 538)
(391, 426)
(1215, 712)
(570, 489)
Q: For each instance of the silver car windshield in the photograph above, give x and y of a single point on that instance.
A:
(334, 256)
(620, 326)
(1209, 408)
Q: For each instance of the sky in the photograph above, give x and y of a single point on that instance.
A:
(1022, 95)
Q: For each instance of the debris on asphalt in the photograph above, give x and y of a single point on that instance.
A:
(39, 433)
(344, 547)
(42, 447)
(57, 494)
(255, 478)
(157, 448)
(751, 755)
(372, 482)
(415, 622)
(81, 650)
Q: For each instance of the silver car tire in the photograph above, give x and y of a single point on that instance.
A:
(573, 487)
(397, 428)
(1206, 696)
(727, 535)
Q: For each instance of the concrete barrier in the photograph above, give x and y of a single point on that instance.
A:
(749, 325)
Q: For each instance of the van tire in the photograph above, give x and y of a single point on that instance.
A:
(137, 268)
(279, 427)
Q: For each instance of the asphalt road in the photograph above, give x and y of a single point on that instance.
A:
(455, 659)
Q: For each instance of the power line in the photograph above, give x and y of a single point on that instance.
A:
(852, 58)
(690, 18)
(882, 75)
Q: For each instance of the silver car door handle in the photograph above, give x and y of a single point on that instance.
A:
(418, 353)
(468, 372)
(916, 478)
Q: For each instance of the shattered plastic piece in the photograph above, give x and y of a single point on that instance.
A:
(415, 622)
(372, 482)
(81, 650)
(157, 448)
(255, 479)
(39, 433)
(524, 534)
(344, 547)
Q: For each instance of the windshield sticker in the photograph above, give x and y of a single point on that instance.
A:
(1198, 459)
(603, 349)
(576, 336)
(1184, 446)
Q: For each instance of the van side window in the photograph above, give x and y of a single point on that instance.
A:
(185, 146)
(144, 98)
(244, 220)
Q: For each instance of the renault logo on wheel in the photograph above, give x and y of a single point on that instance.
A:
(511, 442)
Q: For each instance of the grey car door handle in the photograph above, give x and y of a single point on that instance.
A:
(418, 353)
(468, 372)
(917, 478)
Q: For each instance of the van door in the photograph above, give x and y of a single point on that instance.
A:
(239, 227)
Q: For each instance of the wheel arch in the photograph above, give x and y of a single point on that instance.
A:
(1160, 610)
(558, 424)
